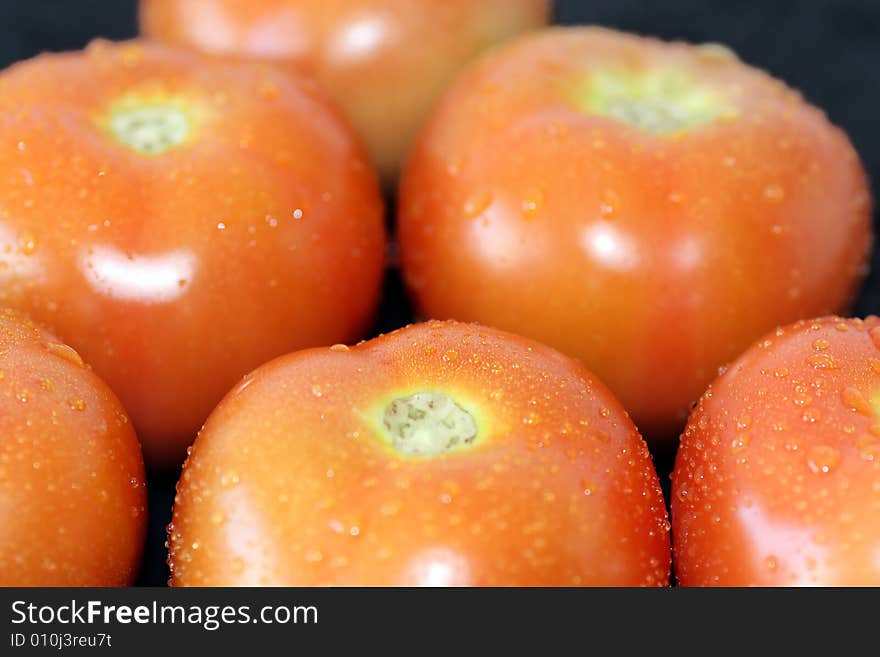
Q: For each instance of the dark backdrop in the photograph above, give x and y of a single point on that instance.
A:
(828, 49)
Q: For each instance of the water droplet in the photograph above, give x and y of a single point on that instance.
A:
(27, 243)
(298, 214)
(823, 459)
(821, 344)
(477, 204)
(76, 404)
(531, 419)
(774, 193)
(317, 391)
(67, 353)
(450, 356)
(771, 562)
(740, 442)
(608, 206)
(822, 361)
(313, 556)
(854, 400)
(869, 448)
(340, 348)
(531, 206)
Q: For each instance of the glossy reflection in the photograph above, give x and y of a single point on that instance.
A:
(330, 502)
(385, 62)
(710, 236)
(789, 548)
(610, 247)
(141, 278)
(362, 37)
(145, 233)
(776, 480)
(438, 567)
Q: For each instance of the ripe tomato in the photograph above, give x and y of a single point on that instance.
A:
(180, 221)
(72, 490)
(649, 208)
(777, 480)
(386, 62)
(440, 454)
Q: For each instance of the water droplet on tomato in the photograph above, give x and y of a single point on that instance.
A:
(821, 344)
(823, 459)
(774, 193)
(532, 204)
(477, 204)
(822, 361)
(854, 400)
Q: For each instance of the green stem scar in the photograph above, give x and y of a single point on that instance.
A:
(659, 102)
(150, 127)
(428, 424)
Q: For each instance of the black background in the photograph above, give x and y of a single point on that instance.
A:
(828, 49)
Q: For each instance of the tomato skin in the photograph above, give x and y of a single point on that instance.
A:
(289, 483)
(72, 487)
(386, 62)
(176, 273)
(655, 259)
(777, 479)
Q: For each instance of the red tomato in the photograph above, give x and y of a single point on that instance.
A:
(649, 208)
(777, 480)
(72, 490)
(440, 454)
(386, 62)
(180, 221)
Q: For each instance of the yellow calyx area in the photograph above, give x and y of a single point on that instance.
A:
(658, 102)
(427, 423)
(150, 125)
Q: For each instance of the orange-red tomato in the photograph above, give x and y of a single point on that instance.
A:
(180, 220)
(440, 454)
(777, 480)
(386, 62)
(650, 208)
(72, 490)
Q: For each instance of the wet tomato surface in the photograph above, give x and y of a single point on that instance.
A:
(386, 62)
(440, 454)
(72, 491)
(650, 208)
(180, 220)
(777, 479)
